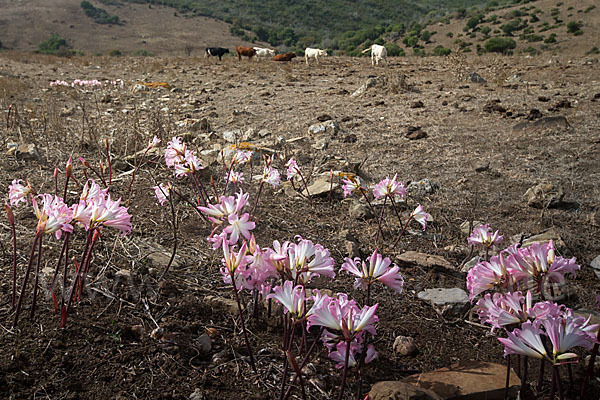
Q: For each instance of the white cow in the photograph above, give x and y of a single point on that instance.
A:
(314, 53)
(263, 53)
(378, 53)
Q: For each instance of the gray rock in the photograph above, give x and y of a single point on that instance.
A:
(321, 186)
(222, 303)
(469, 380)
(545, 237)
(544, 195)
(411, 258)
(470, 264)
(359, 210)
(232, 136)
(321, 144)
(405, 345)
(421, 188)
(595, 264)
(330, 127)
(204, 343)
(25, 152)
(364, 87)
(446, 302)
(476, 78)
(197, 395)
(396, 390)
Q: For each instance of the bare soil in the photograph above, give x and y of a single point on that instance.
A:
(482, 167)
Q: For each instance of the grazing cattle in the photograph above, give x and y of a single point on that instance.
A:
(262, 52)
(284, 57)
(246, 52)
(215, 52)
(314, 53)
(378, 53)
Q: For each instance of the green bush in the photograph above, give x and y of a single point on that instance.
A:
(590, 8)
(499, 45)
(551, 38)
(141, 53)
(574, 26)
(410, 41)
(513, 26)
(52, 44)
(531, 51)
(441, 51)
(486, 30)
(593, 50)
(99, 15)
(394, 50)
(472, 23)
(534, 38)
(114, 53)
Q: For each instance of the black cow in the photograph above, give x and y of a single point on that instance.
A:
(216, 52)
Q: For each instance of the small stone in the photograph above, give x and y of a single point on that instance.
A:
(232, 136)
(416, 135)
(25, 152)
(422, 188)
(476, 78)
(446, 302)
(67, 111)
(352, 249)
(534, 114)
(324, 117)
(123, 274)
(405, 345)
(197, 395)
(222, 303)
(482, 167)
(360, 210)
(264, 133)
(396, 390)
(494, 106)
(168, 289)
(595, 264)
(544, 195)
(364, 87)
(417, 104)
(321, 144)
(204, 343)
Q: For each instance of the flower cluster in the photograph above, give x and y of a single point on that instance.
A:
(389, 187)
(378, 269)
(95, 208)
(521, 267)
(86, 83)
(483, 236)
(182, 159)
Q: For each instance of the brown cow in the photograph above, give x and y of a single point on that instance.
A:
(284, 57)
(246, 52)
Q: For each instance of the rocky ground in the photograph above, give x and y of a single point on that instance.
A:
(469, 136)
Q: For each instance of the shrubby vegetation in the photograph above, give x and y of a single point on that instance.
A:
(52, 45)
(500, 45)
(99, 15)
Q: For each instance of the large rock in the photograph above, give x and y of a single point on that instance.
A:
(411, 258)
(472, 380)
(396, 390)
(452, 302)
(321, 186)
(545, 237)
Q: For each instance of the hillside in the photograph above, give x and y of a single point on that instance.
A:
(536, 27)
(185, 27)
(155, 29)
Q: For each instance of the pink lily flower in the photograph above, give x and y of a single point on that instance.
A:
(377, 270)
(339, 355)
(239, 226)
(292, 168)
(293, 299)
(389, 187)
(483, 236)
(526, 341)
(162, 192)
(420, 216)
(54, 216)
(17, 192)
(271, 176)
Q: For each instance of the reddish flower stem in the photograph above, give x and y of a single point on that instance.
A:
(11, 220)
(343, 384)
(590, 368)
(24, 286)
(402, 232)
(37, 276)
(174, 222)
(379, 223)
(237, 299)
